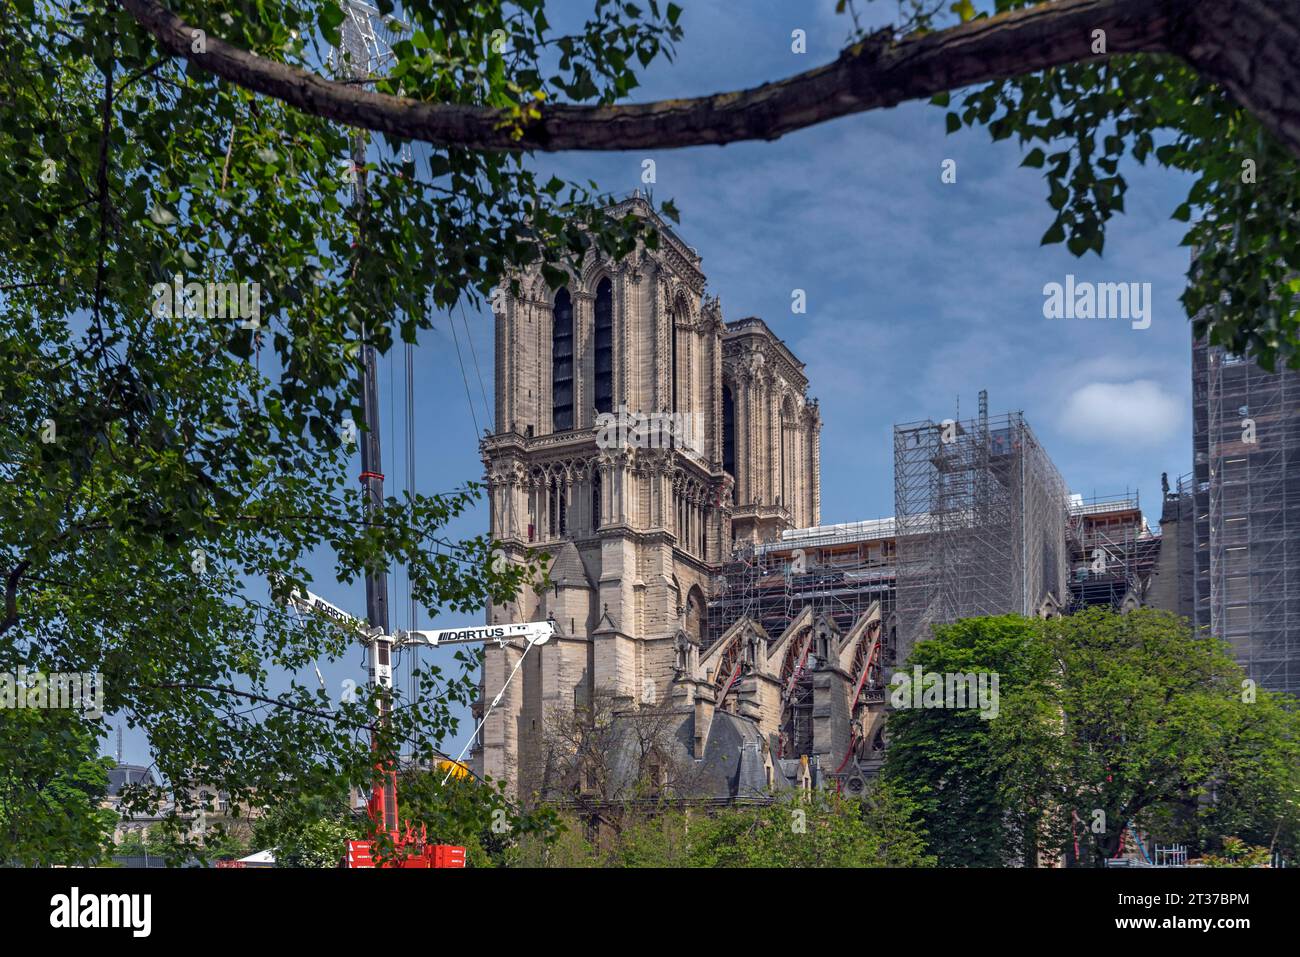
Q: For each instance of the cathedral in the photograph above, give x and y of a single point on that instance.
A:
(639, 521)
(712, 639)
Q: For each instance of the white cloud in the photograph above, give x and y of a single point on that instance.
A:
(1122, 413)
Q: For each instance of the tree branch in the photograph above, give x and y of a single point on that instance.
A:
(250, 696)
(1251, 47)
(106, 122)
(871, 74)
(11, 595)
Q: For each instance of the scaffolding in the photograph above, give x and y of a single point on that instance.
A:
(1113, 551)
(1178, 522)
(980, 521)
(1247, 470)
(834, 572)
(837, 570)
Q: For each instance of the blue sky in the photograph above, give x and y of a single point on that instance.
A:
(919, 293)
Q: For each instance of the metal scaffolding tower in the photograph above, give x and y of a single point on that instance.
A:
(981, 517)
(1247, 495)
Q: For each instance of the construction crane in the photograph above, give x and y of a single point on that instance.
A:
(413, 849)
(366, 38)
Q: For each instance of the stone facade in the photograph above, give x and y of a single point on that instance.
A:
(636, 529)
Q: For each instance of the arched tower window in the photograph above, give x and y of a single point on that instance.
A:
(728, 431)
(562, 363)
(672, 360)
(604, 357)
(782, 498)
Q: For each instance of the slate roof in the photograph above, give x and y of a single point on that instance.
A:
(567, 570)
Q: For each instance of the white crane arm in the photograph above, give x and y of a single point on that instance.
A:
(533, 632)
(310, 604)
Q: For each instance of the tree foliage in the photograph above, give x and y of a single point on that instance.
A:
(1091, 81)
(1080, 121)
(168, 472)
(1105, 720)
(51, 785)
(943, 759)
(821, 830)
(309, 831)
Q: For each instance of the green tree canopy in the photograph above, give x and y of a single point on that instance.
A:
(1104, 720)
(821, 829)
(52, 783)
(1206, 86)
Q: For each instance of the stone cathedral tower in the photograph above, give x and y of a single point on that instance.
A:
(636, 529)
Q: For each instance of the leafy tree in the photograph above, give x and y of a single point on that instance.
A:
(1078, 121)
(309, 831)
(1254, 795)
(224, 842)
(823, 830)
(167, 474)
(945, 759)
(52, 783)
(1237, 853)
(1104, 719)
(826, 830)
(1141, 710)
(567, 845)
(133, 844)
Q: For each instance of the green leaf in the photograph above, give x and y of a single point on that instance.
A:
(1054, 234)
(329, 18)
(1033, 158)
(964, 9)
(1058, 195)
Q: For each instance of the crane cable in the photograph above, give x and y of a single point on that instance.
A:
(488, 712)
(451, 321)
(487, 406)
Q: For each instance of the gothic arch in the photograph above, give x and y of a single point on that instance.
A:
(787, 452)
(728, 429)
(595, 268)
(603, 347)
(535, 289)
(682, 307)
(562, 361)
(696, 615)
